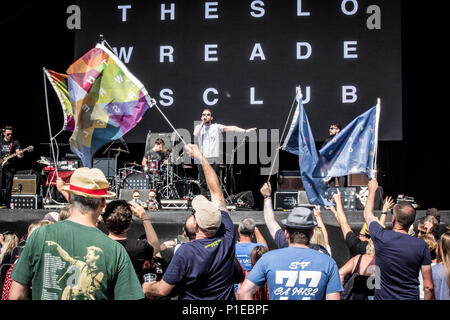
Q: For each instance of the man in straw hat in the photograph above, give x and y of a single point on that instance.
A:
(296, 272)
(202, 268)
(72, 259)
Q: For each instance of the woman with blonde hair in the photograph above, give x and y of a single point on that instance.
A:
(10, 241)
(441, 270)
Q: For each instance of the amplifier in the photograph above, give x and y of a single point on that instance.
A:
(26, 201)
(359, 179)
(289, 183)
(24, 184)
(348, 197)
(286, 200)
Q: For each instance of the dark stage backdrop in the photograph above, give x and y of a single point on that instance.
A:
(244, 59)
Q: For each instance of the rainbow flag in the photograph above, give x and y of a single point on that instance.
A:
(59, 84)
(106, 99)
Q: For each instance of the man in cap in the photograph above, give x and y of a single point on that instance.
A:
(73, 259)
(203, 268)
(296, 272)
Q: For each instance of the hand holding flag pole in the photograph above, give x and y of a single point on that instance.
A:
(297, 98)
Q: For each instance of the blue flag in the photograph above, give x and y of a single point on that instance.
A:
(300, 141)
(353, 150)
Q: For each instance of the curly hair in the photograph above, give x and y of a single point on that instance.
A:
(117, 216)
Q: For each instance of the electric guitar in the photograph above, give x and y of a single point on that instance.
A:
(5, 159)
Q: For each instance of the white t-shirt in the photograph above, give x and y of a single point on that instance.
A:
(209, 140)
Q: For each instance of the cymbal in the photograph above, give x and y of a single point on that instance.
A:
(119, 150)
(187, 166)
(134, 164)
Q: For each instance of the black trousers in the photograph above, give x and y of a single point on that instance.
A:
(6, 181)
(202, 180)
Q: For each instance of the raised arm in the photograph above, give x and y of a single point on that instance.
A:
(387, 204)
(269, 215)
(150, 233)
(237, 129)
(340, 214)
(59, 185)
(320, 223)
(210, 176)
(197, 129)
(259, 237)
(370, 203)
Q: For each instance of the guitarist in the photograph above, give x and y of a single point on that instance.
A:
(8, 146)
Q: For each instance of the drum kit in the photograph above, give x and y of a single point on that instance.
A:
(159, 175)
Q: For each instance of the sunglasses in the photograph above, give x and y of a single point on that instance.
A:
(421, 232)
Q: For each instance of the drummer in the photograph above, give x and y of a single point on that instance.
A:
(156, 153)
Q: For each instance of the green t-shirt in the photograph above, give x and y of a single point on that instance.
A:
(70, 261)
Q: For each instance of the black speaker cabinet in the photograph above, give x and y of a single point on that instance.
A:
(24, 184)
(289, 181)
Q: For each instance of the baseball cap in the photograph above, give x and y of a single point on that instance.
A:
(207, 213)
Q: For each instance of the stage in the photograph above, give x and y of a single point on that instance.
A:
(168, 225)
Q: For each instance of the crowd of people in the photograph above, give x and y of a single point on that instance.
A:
(84, 252)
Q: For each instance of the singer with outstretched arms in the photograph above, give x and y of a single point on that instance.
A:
(208, 135)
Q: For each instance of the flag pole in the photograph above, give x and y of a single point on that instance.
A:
(297, 98)
(49, 124)
(374, 169)
(154, 104)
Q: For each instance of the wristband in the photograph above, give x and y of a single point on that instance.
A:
(383, 212)
(267, 196)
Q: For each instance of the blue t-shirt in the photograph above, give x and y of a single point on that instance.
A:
(203, 268)
(440, 282)
(296, 273)
(281, 242)
(243, 251)
(399, 258)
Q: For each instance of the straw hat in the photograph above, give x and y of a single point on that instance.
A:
(90, 183)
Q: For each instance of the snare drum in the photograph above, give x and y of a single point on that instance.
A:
(135, 180)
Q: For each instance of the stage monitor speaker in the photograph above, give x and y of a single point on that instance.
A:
(106, 165)
(289, 180)
(24, 184)
(243, 199)
(359, 179)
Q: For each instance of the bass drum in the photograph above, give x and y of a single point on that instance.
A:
(134, 179)
(187, 189)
